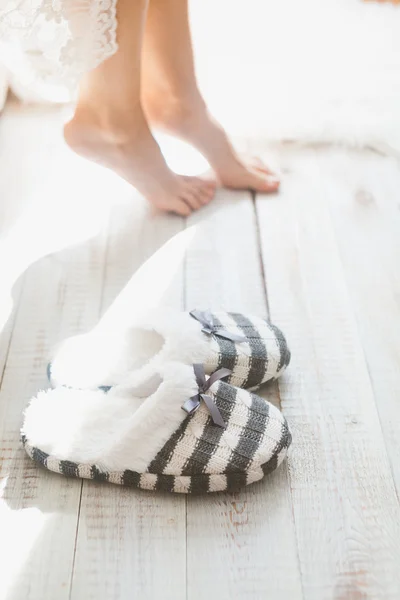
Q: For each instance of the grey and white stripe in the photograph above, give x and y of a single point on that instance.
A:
(227, 356)
(263, 355)
(230, 438)
(201, 457)
(283, 349)
(259, 356)
(258, 415)
(241, 367)
(213, 449)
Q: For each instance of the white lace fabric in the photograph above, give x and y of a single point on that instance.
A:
(49, 43)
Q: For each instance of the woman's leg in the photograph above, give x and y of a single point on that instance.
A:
(171, 98)
(110, 128)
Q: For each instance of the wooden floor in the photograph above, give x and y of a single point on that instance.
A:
(322, 259)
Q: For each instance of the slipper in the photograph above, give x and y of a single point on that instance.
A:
(179, 433)
(251, 347)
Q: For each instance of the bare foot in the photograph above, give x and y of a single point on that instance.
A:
(193, 123)
(127, 147)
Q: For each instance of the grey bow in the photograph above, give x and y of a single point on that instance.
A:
(204, 384)
(206, 319)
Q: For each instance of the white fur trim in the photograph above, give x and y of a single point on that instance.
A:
(133, 354)
(115, 431)
(183, 341)
(108, 357)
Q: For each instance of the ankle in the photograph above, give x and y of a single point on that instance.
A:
(172, 110)
(116, 125)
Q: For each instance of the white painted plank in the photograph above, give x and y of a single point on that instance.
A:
(363, 197)
(132, 543)
(9, 303)
(241, 545)
(145, 256)
(4, 79)
(38, 510)
(345, 505)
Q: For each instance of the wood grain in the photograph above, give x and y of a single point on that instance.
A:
(363, 199)
(344, 502)
(242, 545)
(132, 543)
(38, 512)
(323, 255)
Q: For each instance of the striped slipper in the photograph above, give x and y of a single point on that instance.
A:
(251, 347)
(181, 432)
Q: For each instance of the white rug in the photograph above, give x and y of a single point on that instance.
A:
(303, 70)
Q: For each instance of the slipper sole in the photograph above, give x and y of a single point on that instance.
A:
(185, 484)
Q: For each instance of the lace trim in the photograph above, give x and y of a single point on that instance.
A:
(59, 39)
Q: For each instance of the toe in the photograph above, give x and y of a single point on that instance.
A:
(179, 207)
(204, 190)
(258, 165)
(263, 183)
(192, 198)
(206, 193)
(204, 196)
